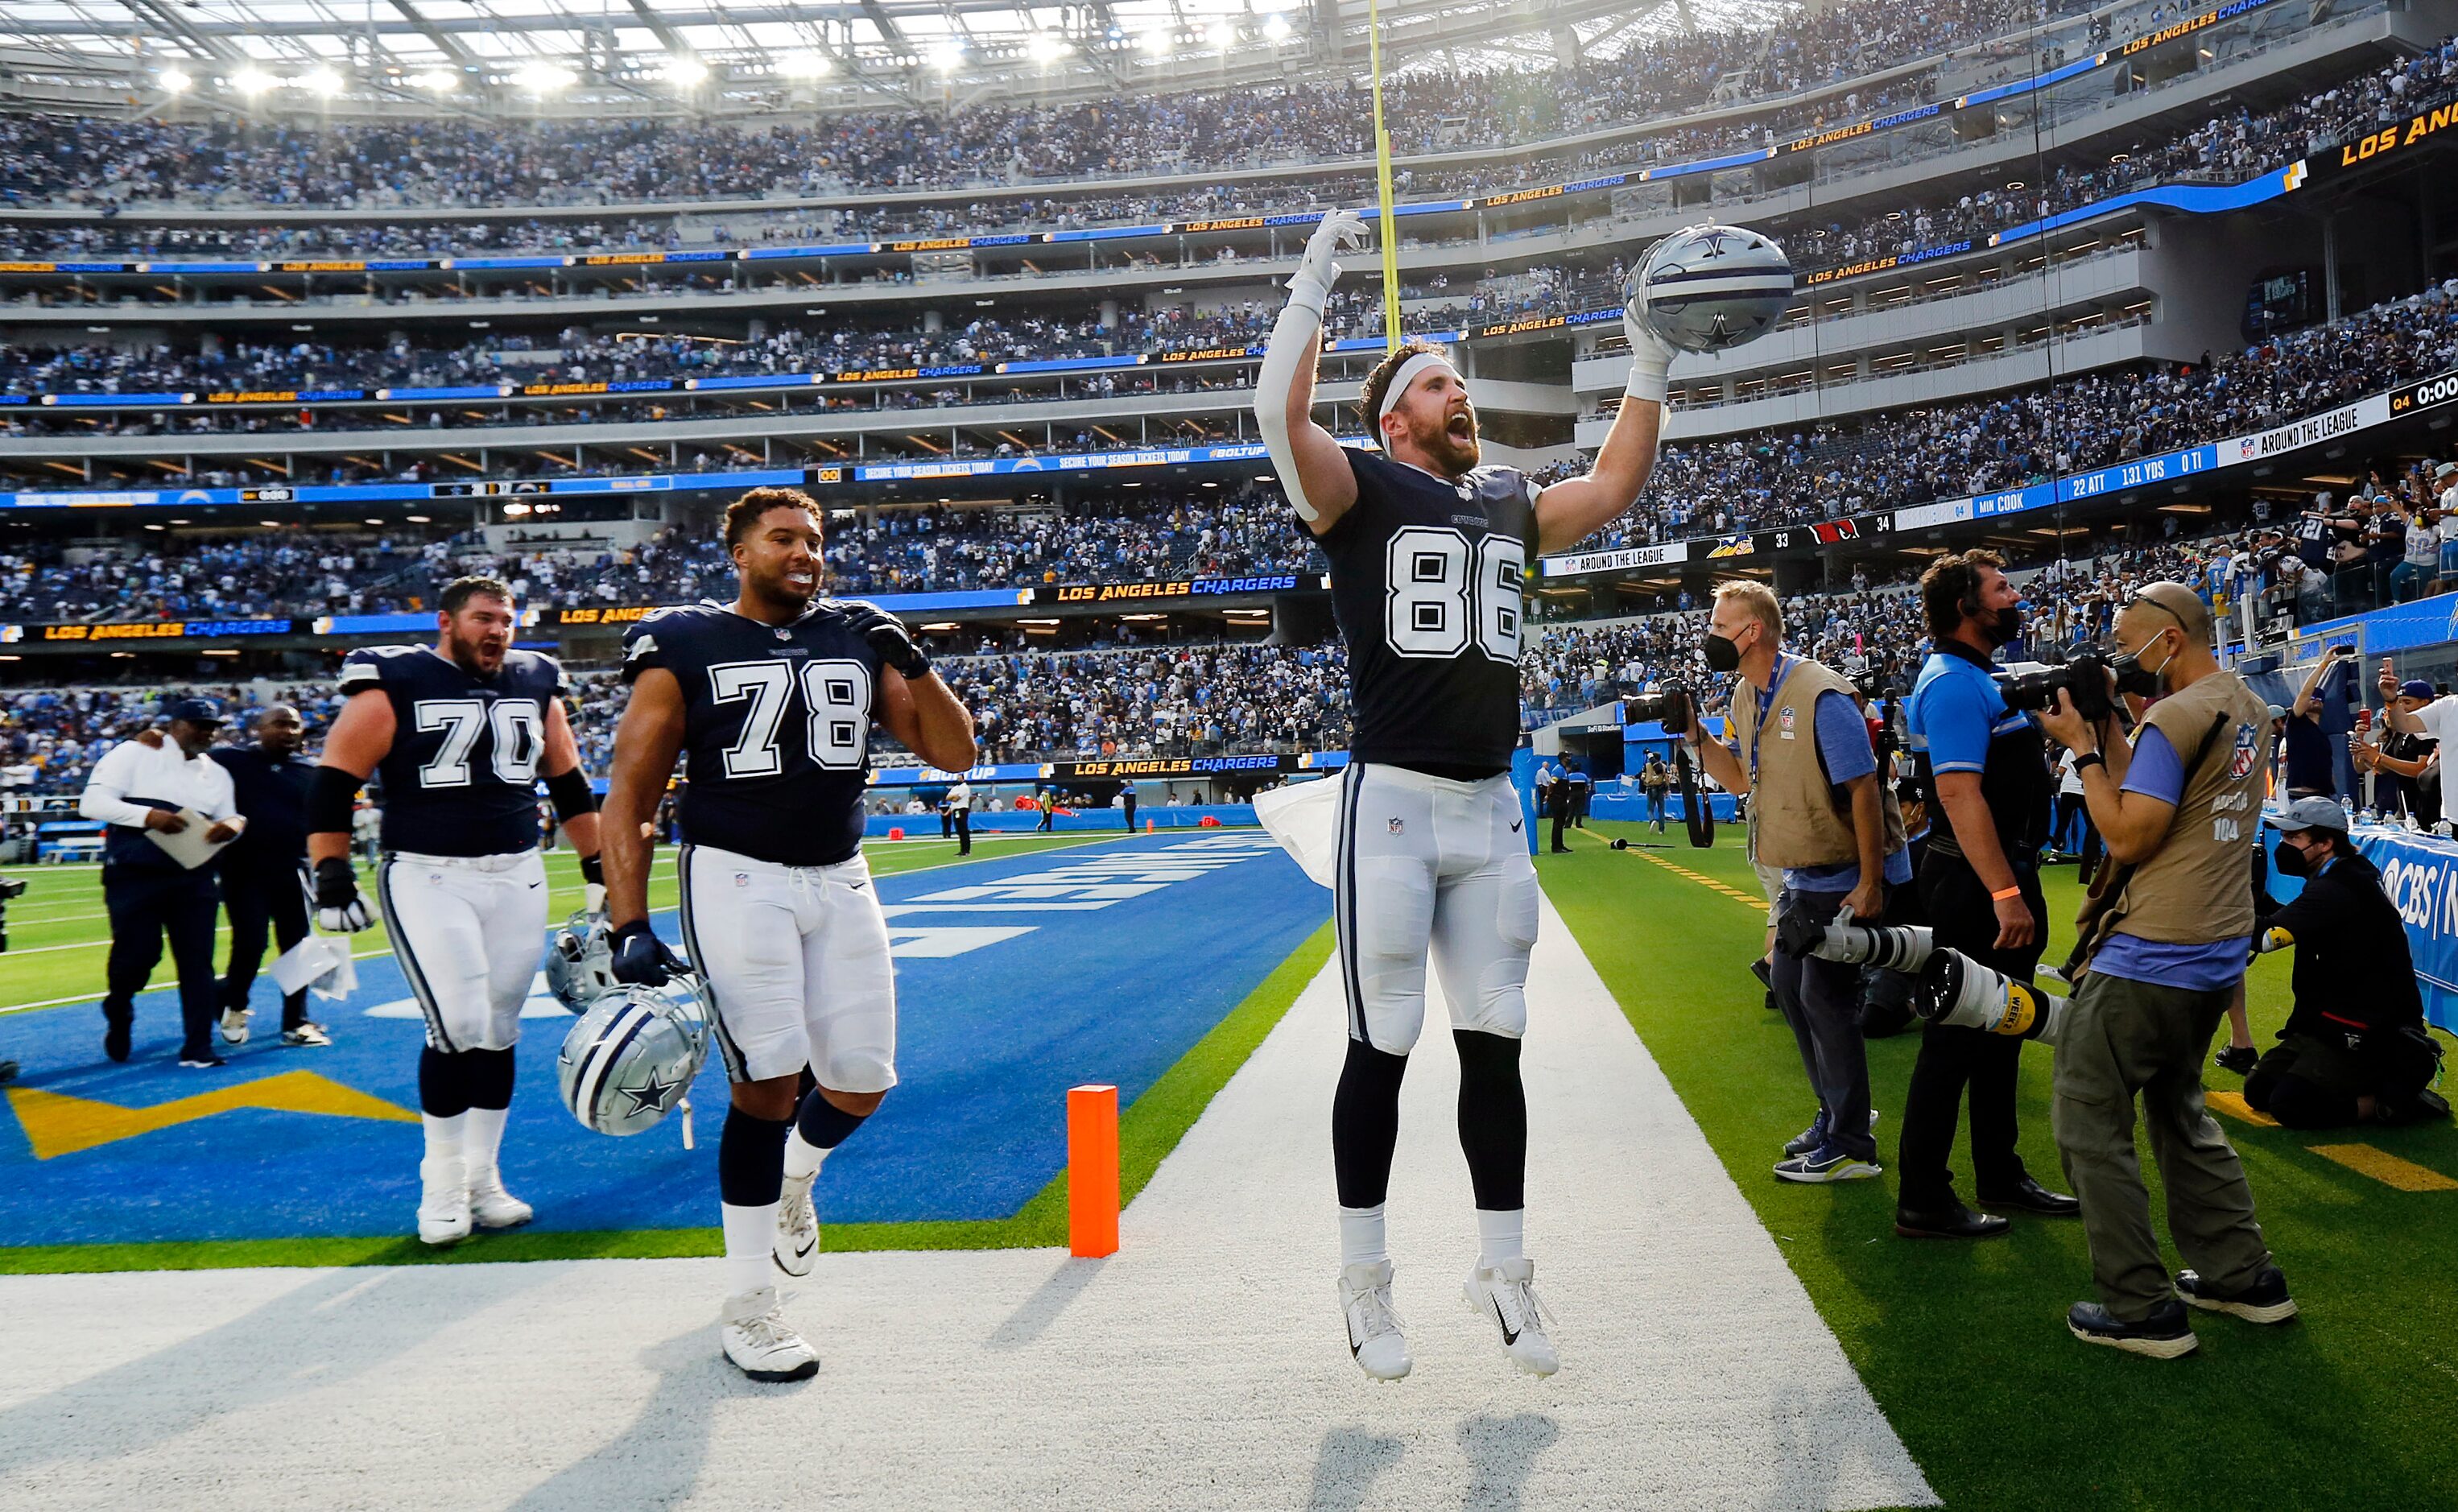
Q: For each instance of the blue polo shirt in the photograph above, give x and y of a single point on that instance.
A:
(2156, 772)
(1956, 709)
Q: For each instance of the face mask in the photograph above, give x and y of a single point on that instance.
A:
(2290, 861)
(1721, 654)
(2008, 627)
(2132, 677)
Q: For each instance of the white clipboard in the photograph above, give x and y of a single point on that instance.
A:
(189, 847)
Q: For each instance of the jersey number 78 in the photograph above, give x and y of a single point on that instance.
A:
(836, 704)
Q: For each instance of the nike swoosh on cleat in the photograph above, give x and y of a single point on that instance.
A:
(1509, 1338)
(1515, 826)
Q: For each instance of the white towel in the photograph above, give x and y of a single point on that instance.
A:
(320, 962)
(1304, 817)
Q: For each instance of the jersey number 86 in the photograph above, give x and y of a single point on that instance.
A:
(1445, 592)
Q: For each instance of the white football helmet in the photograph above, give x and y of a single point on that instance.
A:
(580, 962)
(630, 1059)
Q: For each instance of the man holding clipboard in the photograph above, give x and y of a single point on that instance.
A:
(170, 811)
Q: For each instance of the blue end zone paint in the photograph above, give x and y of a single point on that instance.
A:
(990, 1040)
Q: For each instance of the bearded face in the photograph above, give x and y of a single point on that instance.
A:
(1433, 424)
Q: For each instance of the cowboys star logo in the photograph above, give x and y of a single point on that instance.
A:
(653, 1097)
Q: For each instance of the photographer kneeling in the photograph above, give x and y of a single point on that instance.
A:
(2355, 1049)
(1800, 750)
(2164, 939)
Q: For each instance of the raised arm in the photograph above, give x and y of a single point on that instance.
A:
(1312, 467)
(1572, 510)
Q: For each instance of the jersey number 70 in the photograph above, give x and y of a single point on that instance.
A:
(835, 702)
(1442, 594)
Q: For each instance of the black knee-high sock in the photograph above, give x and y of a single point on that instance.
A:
(1493, 1119)
(443, 1089)
(486, 1075)
(822, 1123)
(1366, 1123)
(751, 1159)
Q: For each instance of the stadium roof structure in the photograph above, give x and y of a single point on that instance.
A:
(285, 59)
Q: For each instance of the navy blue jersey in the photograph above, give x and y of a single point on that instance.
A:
(776, 727)
(461, 779)
(1425, 584)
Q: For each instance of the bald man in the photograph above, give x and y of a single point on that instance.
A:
(260, 871)
(2163, 948)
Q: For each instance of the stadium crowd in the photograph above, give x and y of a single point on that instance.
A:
(447, 163)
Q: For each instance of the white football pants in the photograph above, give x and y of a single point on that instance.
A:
(797, 966)
(1427, 864)
(469, 932)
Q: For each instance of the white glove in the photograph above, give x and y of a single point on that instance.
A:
(347, 919)
(1651, 360)
(1340, 231)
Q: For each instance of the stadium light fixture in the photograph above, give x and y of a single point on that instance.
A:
(1046, 47)
(1157, 42)
(1221, 34)
(176, 81)
(543, 78)
(1275, 27)
(803, 65)
(321, 81)
(251, 81)
(685, 70)
(948, 56)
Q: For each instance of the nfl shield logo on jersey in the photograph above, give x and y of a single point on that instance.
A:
(2241, 765)
(1398, 828)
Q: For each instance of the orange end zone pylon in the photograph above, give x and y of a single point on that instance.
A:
(1092, 1170)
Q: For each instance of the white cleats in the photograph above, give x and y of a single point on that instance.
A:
(1504, 1295)
(307, 1036)
(234, 1025)
(1374, 1337)
(492, 1207)
(758, 1343)
(798, 1227)
(444, 1202)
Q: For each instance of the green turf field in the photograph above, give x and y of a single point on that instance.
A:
(1965, 1345)
(58, 934)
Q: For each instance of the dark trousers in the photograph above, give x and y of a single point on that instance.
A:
(2070, 815)
(1821, 1001)
(1952, 1059)
(1049, 812)
(146, 905)
(254, 897)
(946, 823)
(1129, 805)
(1561, 812)
(964, 832)
(1656, 808)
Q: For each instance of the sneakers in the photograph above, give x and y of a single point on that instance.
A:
(1503, 1295)
(2165, 1335)
(2240, 1059)
(492, 1207)
(307, 1036)
(115, 1037)
(759, 1345)
(1374, 1337)
(234, 1025)
(198, 1060)
(444, 1201)
(1827, 1163)
(2264, 1301)
(1814, 1135)
(798, 1227)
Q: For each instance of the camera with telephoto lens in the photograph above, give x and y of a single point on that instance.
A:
(1887, 948)
(1669, 706)
(1957, 990)
(10, 887)
(2084, 678)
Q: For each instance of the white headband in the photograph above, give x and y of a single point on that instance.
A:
(1407, 375)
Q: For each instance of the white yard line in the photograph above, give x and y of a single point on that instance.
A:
(1202, 1366)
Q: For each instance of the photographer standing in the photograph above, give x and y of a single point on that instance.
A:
(2164, 939)
(1653, 779)
(1988, 768)
(1800, 748)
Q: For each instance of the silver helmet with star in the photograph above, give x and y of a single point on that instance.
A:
(629, 1059)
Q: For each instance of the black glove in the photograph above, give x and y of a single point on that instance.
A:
(887, 636)
(592, 870)
(641, 958)
(337, 907)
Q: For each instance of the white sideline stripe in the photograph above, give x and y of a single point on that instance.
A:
(1202, 1366)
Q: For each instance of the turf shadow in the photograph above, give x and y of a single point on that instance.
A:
(1042, 1308)
(1348, 1465)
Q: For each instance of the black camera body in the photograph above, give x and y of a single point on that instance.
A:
(2084, 678)
(1669, 707)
